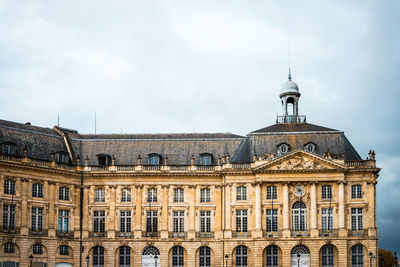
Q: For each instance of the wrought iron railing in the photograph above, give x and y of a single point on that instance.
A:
(291, 119)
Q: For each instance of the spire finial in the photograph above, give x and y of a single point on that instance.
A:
(290, 75)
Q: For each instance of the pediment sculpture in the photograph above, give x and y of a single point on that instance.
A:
(299, 163)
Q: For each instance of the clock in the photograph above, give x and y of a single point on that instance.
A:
(299, 190)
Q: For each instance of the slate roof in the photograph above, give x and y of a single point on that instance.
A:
(293, 127)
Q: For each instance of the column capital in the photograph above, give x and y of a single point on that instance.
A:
(341, 182)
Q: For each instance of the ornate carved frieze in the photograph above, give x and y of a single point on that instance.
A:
(299, 163)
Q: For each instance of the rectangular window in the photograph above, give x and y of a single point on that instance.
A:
(37, 249)
(99, 221)
(356, 219)
(63, 193)
(326, 192)
(37, 190)
(272, 192)
(205, 221)
(9, 187)
(152, 221)
(37, 219)
(126, 195)
(63, 221)
(179, 195)
(327, 220)
(205, 195)
(178, 223)
(272, 220)
(241, 221)
(8, 217)
(356, 191)
(206, 160)
(9, 247)
(64, 250)
(155, 160)
(152, 195)
(99, 195)
(241, 193)
(125, 221)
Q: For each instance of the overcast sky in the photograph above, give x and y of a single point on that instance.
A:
(209, 66)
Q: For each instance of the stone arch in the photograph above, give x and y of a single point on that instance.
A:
(178, 248)
(126, 252)
(148, 256)
(239, 253)
(268, 252)
(325, 252)
(362, 248)
(198, 255)
(304, 252)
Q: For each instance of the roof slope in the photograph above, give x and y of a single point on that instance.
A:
(293, 127)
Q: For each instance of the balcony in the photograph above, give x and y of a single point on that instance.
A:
(65, 234)
(97, 234)
(291, 119)
(204, 234)
(272, 233)
(328, 233)
(10, 230)
(151, 234)
(241, 234)
(34, 231)
(176, 234)
(124, 234)
(300, 233)
(359, 233)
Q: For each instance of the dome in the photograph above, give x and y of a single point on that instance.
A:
(290, 86)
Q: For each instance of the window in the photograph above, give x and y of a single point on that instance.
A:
(206, 159)
(241, 221)
(103, 160)
(154, 159)
(126, 195)
(9, 187)
(283, 149)
(241, 256)
(356, 219)
(152, 195)
(205, 257)
(64, 250)
(152, 221)
(272, 256)
(124, 256)
(272, 192)
(356, 191)
(37, 190)
(272, 220)
(62, 158)
(37, 219)
(63, 193)
(178, 224)
(327, 220)
(63, 221)
(177, 257)
(9, 149)
(8, 217)
(326, 192)
(357, 256)
(299, 216)
(179, 195)
(205, 221)
(99, 221)
(310, 147)
(37, 249)
(99, 195)
(205, 195)
(327, 256)
(9, 247)
(241, 193)
(98, 256)
(125, 221)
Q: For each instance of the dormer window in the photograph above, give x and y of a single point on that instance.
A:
(206, 159)
(283, 149)
(62, 157)
(154, 159)
(310, 147)
(103, 160)
(9, 148)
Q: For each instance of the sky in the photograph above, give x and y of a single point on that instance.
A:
(209, 66)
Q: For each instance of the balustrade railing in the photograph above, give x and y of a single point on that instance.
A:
(204, 234)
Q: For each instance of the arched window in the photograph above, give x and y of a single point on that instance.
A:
(357, 256)
(241, 193)
(205, 195)
(98, 256)
(299, 216)
(124, 256)
(177, 256)
(272, 257)
(310, 147)
(300, 256)
(179, 195)
(151, 256)
(205, 257)
(283, 149)
(241, 256)
(327, 256)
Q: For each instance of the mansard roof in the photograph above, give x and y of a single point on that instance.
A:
(292, 128)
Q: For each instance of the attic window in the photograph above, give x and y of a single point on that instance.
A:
(62, 157)
(206, 159)
(283, 149)
(154, 159)
(310, 147)
(103, 160)
(9, 149)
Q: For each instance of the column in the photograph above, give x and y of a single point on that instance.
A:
(258, 231)
(51, 195)
(85, 211)
(164, 211)
(228, 215)
(112, 216)
(313, 219)
(138, 215)
(371, 220)
(191, 218)
(286, 230)
(342, 219)
(24, 206)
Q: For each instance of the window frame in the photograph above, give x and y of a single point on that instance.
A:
(206, 159)
(357, 219)
(9, 187)
(37, 219)
(126, 195)
(241, 219)
(326, 191)
(64, 250)
(9, 248)
(271, 219)
(205, 221)
(63, 221)
(204, 256)
(99, 195)
(152, 194)
(37, 190)
(9, 216)
(272, 256)
(205, 195)
(241, 193)
(272, 192)
(356, 191)
(152, 221)
(241, 256)
(124, 256)
(299, 217)
(178, 221)
(125, 221)
(37, 249)
(99, 221)
(64, 193)
(178, 256)
(179, 194)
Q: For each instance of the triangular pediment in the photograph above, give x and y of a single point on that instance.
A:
(299, 161)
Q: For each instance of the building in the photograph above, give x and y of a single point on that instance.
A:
(289, 193)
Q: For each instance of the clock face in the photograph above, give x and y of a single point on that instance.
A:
(299, 190)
